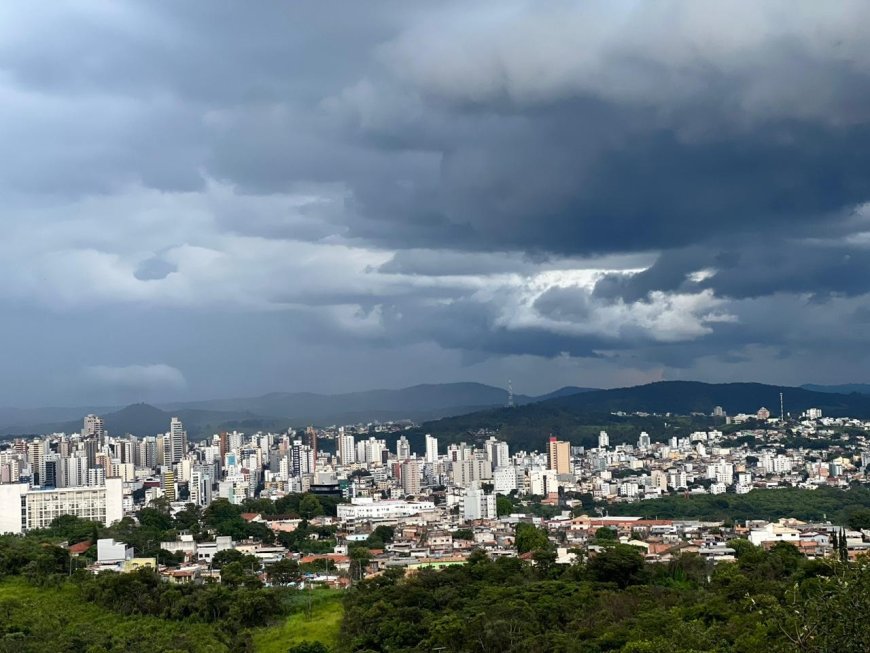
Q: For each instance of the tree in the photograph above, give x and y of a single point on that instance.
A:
(858, 518)
(310, 507)
(844, 551)
(503, 506)
(606, 534)
(225, 557)
(621, 564)
(530, 538)
(307, 646)
(283, 572)
(380, 536)
(359, 559)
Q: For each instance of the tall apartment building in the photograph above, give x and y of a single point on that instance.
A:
(167, 484)
(411, 477)
(346, 449)
(559, 456)
(497, 452)
(431, 449)
(93, 427)
(403, 448)
(177, 441)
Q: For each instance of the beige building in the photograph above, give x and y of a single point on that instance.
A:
(559, 456)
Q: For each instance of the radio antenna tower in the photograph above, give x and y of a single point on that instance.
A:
(510, 403)
(781, 411)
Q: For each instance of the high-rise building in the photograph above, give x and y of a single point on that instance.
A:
(91, 447)
(96, 476)
(167, 484)
(200, 487)
(643, 441)
(403, 448)
(93, 427)
(177, 441)
(36, 451)
(311, 437)
(346, 449)
(431, 449)
(497, 452)
(559, 456)
(603, 440)
(410, 477)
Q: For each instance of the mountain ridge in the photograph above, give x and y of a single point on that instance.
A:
(279, 409)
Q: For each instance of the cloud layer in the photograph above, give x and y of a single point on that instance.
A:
(594, 193)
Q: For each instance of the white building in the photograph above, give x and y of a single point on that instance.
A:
(346, 449)
(504, 480)
(23, 508)
(774, 533)
(477, 504)
(177, 441)
(109, 551)
(431, 449)
(367, 509)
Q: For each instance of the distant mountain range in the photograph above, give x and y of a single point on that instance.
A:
(450, 409)
(845, 388)
(578, 417)
(277, 410)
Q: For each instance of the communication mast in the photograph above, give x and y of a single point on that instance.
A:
(510, 402)
(781, 411)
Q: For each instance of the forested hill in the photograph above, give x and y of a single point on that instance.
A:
(685, 397)
(579, 417)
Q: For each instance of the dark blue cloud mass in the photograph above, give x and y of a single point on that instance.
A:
(215, 198)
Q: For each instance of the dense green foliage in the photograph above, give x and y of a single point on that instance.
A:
(765, 602)
(851, 507)
(36, 620)
(140, 610)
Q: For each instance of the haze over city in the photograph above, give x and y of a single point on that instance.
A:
(200, 200)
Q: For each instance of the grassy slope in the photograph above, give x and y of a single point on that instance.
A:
(54, 619)
(321, 625)
(34, 619)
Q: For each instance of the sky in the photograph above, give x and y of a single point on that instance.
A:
(208, 199)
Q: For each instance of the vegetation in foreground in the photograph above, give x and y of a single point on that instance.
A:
(46, 604)
(316, 618)
(765, 602)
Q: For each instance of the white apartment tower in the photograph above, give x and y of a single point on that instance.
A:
(346, 449)
(403, 448)
(431, 449)
(177, 441)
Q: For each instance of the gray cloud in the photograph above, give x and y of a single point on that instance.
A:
(618, 192)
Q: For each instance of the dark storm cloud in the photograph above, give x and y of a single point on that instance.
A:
(674, 187)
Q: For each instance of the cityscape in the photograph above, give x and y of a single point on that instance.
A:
(441, 501)
(480, 326)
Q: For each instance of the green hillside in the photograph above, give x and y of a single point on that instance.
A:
(579, 417)
(37, 619)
